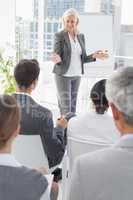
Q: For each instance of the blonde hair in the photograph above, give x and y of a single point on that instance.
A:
(70, 12)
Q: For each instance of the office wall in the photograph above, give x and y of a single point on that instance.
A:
(98, 35)
(7, 24)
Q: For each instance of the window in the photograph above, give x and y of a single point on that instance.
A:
(49, 29)
(56, 27)
(49, 36)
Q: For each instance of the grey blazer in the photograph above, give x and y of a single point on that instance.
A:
(37, 120)
(106, 174)
(62, 47)
(21, 183)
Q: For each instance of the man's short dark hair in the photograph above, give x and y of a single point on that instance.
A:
(9, 118)
(26, 71)
(98, 97)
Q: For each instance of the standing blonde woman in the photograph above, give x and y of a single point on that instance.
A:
(69, 57)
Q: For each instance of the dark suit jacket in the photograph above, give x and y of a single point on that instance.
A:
(37, 120)
(62, 47)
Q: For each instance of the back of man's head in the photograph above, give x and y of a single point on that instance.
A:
(98, 97)
(25, 72)
(119, 91)
(9, 118)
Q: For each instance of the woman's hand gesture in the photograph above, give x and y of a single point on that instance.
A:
(56, 58)
(102, 55)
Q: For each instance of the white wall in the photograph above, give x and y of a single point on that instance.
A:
(7, 24)
(98, 36)
(127, 12)
(127, 48)
(93, 6)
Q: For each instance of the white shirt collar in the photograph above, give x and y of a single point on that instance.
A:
(129, 136)
(8, 160)
(22, 93)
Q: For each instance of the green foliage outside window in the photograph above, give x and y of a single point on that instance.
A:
(7, 81)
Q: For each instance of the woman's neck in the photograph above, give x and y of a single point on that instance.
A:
(72, 35)
(6, 149)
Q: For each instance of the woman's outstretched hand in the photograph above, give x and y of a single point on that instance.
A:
(56, 58)
(102, 55)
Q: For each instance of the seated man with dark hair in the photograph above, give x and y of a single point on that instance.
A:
(36, 119)
(16, 181)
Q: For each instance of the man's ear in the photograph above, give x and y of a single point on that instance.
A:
(34, 84)
(115, 111)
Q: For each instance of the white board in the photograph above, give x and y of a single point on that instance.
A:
(98, 36)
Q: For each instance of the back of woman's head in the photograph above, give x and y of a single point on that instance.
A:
(9, 118)
(98, 97)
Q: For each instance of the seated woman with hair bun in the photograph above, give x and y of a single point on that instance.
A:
(96, 127)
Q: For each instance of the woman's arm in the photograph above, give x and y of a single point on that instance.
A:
(58, 46)
(100, 54)
(87, 58)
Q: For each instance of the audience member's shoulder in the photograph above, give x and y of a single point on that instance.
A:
(33, 175)
(29, 179)
(42, 108)
(35, 178)
(77, 119)
(97, 157)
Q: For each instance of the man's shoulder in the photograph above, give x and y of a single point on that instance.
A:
(98, 157)
(30, 101)
(41, 112)
(31, 106)
(43, 108)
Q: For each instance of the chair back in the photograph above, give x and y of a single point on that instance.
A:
(28, 150)
(80, 146)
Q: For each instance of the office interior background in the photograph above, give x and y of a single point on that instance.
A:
(28, 28)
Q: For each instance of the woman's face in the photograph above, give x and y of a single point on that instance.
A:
(70, 23)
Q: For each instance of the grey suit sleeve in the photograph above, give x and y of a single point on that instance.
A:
(75, 193)
(58, 46)
(54, 141)
(58, 43)
(87, 58)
